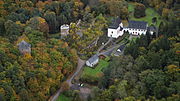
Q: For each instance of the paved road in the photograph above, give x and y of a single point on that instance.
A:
(55, 97)
(110, 50)
(69, 81)
(79, 68)
(110, 39)
(81, 64)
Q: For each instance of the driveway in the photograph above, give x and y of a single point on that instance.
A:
(79, 67)
(69, 81)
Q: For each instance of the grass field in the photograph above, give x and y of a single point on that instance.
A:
(63, 98)
(130, 7)
(150, 13)
(97, 70)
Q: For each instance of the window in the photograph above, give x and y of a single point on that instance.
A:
(112, 32)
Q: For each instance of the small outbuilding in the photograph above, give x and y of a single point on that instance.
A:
(121, 48)
(119, 51)
(64, 30)
(152, 29)
(24, 47)
(92, 61)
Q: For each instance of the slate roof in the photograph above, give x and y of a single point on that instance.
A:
(152, 28)
(121, 28)
(24, 45)
(93, 58)
(137, 24)
(122, 47)
(115, 23)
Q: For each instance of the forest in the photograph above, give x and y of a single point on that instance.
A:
(149, 70)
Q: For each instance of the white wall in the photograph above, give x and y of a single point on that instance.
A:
(120, 33)
(112, 33)
(88, 64)
(121, 25)
(115, 33)
(136, 31)
(92, 64)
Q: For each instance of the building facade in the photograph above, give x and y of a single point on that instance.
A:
(115, 29)
(92, 61)
(64, 30)
(136, 27)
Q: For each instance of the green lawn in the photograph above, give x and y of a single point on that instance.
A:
(130, 7)
(90, 72)
(63, 98)
(150, 13)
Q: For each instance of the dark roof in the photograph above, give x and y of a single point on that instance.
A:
(137, 24)
(122, 47)
(93, 58)
(115, 23)
(152, 28)
(24, 45)
(121, 28)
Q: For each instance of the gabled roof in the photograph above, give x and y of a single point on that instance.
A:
(121, 28)
(122, 47)
(152, 28)
(93, 58)
(24, 45)
(115, 23)
(137, 24)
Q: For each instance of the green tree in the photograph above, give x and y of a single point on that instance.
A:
(13, 30)
(155, 83)
(24, 96)
(52, 21)
(2, 27)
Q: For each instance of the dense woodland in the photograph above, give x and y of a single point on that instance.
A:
(149, 69)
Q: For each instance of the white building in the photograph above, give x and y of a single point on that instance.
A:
(116, 29)
(136, 27)
(64, 30)
(92, 61)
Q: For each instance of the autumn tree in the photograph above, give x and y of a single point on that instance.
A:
(139, 10)
(117, 8)
(38, 23)
(165, 13)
